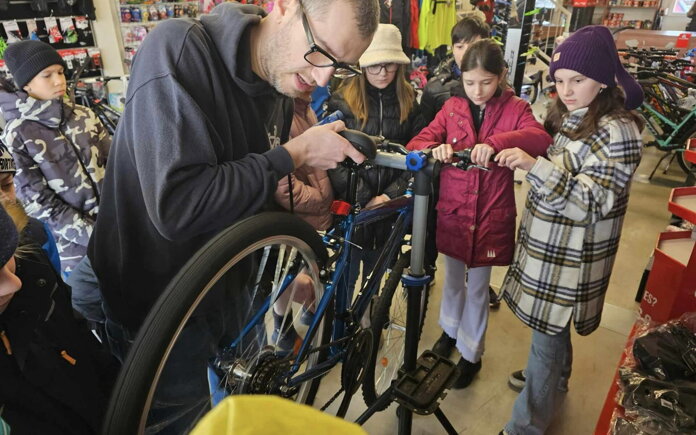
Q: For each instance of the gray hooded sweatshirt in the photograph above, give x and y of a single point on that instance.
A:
(190, 157)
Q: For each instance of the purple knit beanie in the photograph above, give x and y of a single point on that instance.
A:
(591, 51)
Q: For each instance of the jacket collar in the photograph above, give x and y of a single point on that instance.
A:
(19, 105)
(572, 120)
(496, 104)
(388, 91)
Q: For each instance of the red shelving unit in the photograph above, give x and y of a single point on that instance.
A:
(671, 287)
(690, 153)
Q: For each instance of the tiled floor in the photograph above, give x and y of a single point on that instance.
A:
(485, 406)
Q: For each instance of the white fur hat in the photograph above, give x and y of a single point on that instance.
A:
(385, 47)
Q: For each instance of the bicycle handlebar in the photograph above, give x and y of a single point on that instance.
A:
(393, 155)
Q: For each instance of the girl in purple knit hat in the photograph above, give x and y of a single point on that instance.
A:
(569, 232)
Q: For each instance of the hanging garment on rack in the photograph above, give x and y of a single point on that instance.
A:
(437, 17)
(486, 6)
(397, 12)
(413, 27)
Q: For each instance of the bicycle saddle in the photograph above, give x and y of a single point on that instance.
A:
(362, 142)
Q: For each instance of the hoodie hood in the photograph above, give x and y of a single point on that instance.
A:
(227, 25)
(15, 105)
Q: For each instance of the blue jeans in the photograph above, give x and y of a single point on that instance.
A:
(547, 374)
(86, 296)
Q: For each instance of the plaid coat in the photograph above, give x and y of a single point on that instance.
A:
(570, 229)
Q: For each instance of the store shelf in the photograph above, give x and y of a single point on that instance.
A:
(123, 5)
(680, 249)
(143, 23)
(690, 153)
(682, 202)
(629, 7)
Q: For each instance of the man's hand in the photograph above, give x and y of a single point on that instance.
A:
(321, 147)
(515, 158)
(481, 154)
(443, 153)
(377, 200)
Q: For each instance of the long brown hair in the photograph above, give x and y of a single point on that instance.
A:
(354, 91)
(609, 102)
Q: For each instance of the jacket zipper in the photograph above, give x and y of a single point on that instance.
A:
(84, 167)
(380, 113)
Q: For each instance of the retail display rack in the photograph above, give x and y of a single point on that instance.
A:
(138, 18)
(71, 35)
(639, 14)
(670, 290)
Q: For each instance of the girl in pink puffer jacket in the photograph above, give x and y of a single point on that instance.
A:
(476, 209)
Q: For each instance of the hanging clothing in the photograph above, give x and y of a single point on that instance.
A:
(437, 17)
(398, 13)
(413, 25)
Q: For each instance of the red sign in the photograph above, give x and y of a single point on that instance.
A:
(683, 40)
(584, 3)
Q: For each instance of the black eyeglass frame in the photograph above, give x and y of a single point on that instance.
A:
(382, 66)
(351, 70)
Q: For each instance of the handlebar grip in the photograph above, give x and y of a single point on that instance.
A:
(362, 142)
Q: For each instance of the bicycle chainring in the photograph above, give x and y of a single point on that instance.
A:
(359, 351)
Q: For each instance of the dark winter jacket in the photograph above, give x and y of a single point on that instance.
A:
(398, 13)
(55, 377)
(445, 83)
(191, 156)
(60, 151)
(383, 120)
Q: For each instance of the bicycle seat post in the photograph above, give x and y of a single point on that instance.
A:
(415, 285)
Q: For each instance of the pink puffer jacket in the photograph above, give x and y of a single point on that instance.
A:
(476, 209)
(312, 193)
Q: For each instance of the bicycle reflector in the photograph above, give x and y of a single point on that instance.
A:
(415, 160)
(340, 208)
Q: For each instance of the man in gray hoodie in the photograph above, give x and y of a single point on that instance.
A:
(204, 137)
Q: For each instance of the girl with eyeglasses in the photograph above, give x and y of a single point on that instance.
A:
(379, 102)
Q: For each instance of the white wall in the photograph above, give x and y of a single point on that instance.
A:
(108, 38)
(673, 21)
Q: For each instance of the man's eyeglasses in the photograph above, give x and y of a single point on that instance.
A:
(376, 69)
(320, 58)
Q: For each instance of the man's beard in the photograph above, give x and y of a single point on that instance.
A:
(272, 62)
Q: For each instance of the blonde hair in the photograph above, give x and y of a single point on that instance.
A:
(354, 91)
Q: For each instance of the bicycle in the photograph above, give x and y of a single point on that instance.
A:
(255, 264)
(93, 96)
(670, 125)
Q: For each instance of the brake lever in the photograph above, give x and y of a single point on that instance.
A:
(464, 166)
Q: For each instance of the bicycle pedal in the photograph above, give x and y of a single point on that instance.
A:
(421, 389)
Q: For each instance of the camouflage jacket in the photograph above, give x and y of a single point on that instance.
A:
(60, 152)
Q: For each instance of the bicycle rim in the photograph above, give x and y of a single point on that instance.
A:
(212, 331)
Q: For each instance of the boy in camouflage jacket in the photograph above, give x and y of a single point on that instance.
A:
(60, 149)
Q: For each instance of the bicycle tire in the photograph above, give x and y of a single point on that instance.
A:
(377, 376)
(136, 383)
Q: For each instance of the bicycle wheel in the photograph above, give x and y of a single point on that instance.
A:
(209, 334)
(389, 333)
